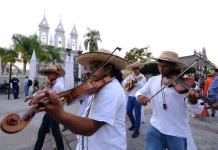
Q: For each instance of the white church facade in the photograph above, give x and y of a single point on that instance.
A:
(68, 46)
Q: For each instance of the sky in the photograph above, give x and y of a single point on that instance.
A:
(178, 25)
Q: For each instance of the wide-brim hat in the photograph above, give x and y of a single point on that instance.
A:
(53, 69)
(134, 65)
(102, 55)
(171, 57)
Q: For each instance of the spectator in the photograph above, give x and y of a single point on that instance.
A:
(35, 85)
(213, 91)
(26, 89)
(14, 84)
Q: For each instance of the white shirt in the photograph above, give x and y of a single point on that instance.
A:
(138, 85)
(174, 120)
(109, 106)
(58, 86)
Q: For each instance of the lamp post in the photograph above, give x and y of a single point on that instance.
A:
(11, 55)
(9, 88)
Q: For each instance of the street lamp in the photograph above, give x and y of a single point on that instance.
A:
(9, 88)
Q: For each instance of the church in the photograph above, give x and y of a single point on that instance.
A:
(68, 47)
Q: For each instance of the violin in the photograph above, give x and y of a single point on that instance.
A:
(181, 85)
(13, 123)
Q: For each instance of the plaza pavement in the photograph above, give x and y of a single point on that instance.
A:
(204, 130)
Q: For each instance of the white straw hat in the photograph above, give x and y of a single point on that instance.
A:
(171, 57)
(102, 55)
(134, 65)
(53, 69)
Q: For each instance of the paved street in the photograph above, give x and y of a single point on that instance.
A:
(205, 130)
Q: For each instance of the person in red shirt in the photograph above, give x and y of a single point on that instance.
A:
(211, 75)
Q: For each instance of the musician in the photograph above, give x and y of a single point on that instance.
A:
(102, 124)
(138, 80)
(169, 126)
(53, 73)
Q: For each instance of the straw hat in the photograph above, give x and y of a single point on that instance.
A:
(53, 69)
(171, 57)
(102, 55)
(134, 65)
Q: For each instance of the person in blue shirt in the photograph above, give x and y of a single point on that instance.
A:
(213, 93)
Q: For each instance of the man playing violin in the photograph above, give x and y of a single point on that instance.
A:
(102, 121)
(53, 73)
(169, 124)
(138, 80)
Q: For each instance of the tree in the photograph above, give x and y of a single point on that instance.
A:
(54, 55)
(91, 41)
(2, 51)
(150, 68)
(24, 46)
(9, 56)
(137, 55)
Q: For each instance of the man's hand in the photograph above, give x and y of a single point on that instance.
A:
(54, 107)
(143, 100)
(193, 96)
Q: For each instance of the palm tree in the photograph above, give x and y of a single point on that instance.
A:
(91, 41)
(7, 55)
(24, 46)
(2, 51)
(54, 55)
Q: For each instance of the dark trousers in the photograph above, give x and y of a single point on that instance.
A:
(15, 90)
(135, 120)
(48, 122)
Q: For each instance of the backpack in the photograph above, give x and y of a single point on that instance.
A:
(29, 83)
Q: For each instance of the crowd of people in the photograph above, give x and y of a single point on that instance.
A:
(101, 121)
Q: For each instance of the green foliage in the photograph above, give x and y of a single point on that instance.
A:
(9, 56)
(151, 68)
(52, 54)
(191, 70)
(137, 55)
(2, 51)
(24, 46)
(91, 41)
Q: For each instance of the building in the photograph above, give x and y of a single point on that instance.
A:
(68, 46)
(202, 62)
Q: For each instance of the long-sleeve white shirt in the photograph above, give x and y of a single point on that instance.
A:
(174, 120)
(138, 85)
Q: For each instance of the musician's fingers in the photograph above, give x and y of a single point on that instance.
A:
(37, 98)
(52, 96)
(41, 91)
